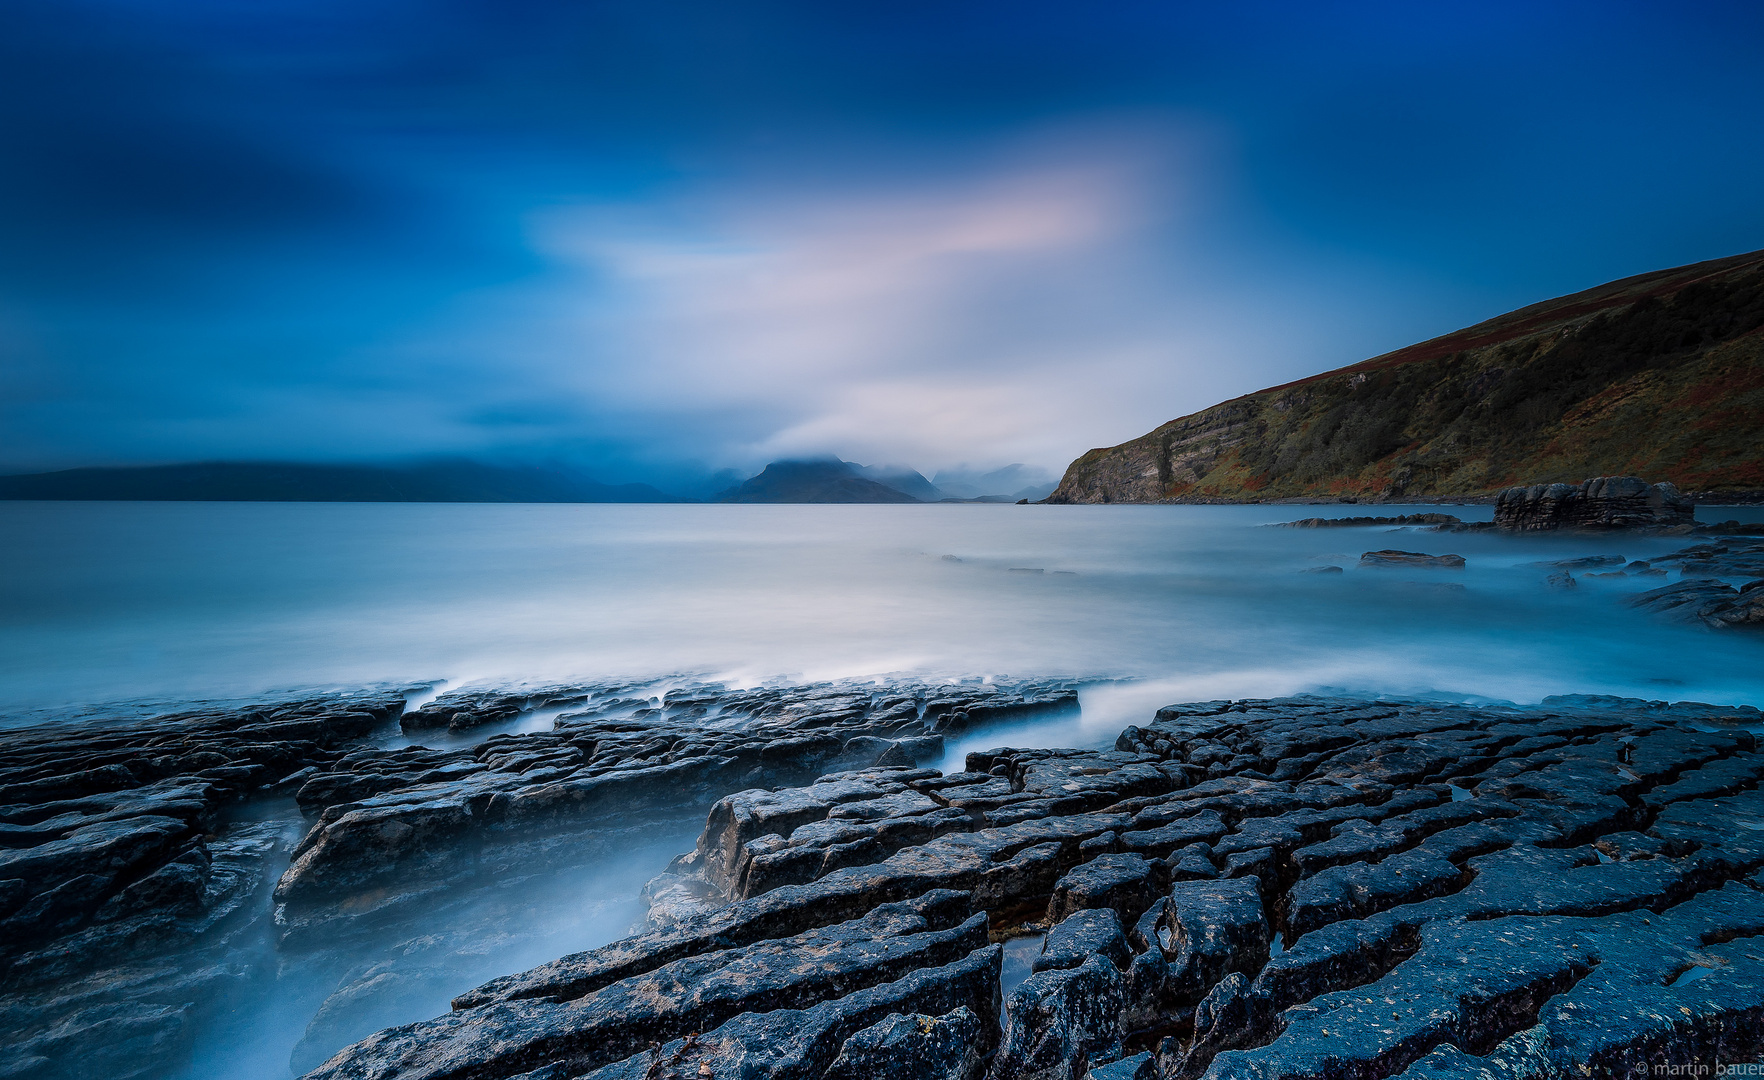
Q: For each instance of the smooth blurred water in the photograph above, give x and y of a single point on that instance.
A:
(111, 601)
(117, 600)
(144, 603)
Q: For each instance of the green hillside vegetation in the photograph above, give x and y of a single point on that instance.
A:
(1660, 376)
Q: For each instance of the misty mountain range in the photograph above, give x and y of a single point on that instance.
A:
(834, 481)
(456, 480)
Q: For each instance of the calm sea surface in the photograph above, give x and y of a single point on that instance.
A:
(106, 602)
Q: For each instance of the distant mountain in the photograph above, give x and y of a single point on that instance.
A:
(902, 479)
(826, 481)
(1008, 484)
(253, 481)
(1659, 375)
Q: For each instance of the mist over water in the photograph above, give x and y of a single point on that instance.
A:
(173, 600)
(402, 974)
(168, 601)
(112, 608)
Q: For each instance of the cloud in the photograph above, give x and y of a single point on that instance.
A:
(991, 314)
(681, 236)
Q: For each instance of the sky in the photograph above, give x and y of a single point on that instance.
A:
(658, 239)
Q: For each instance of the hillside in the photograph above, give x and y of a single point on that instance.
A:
(252, 481)
(1659, 375)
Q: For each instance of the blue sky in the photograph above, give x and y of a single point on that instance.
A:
(662, 238)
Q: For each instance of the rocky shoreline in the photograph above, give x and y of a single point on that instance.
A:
(1302, 887)
(144, 859)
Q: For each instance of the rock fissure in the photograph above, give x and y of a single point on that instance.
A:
(1284, 887)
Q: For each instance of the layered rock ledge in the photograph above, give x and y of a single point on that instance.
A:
(1302, 887)
(139, 858)
(1604, 502)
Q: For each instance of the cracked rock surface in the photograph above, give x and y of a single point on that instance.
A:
(1302, 887)
(144, 860)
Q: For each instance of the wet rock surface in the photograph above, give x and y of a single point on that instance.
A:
(129, 882)
(1304, 887)
(395, 826)
(138, 856)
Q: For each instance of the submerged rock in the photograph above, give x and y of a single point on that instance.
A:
(1393, 557)
(1355, 522)
(1707, 600)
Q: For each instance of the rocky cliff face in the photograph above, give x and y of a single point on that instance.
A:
(1660, 375)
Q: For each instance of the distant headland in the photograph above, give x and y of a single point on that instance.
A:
(258, 481)
(1659, 375)
(827, 480)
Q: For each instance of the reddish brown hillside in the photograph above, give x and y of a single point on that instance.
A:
(1660, 375)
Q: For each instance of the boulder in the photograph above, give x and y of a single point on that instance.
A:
(1605, 502)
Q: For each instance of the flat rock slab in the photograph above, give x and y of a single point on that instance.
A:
(1298, 887)
(692, 994)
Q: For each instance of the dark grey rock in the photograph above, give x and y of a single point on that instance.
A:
(805, 928)
(1192, 863)
(802, 1044)
(1124, 883)
(691, 994)
(1393, 557)
(1606, 502)
(1214, 928)
(1205, 827)
(1061, 1022)
(1096, 932)
(917, 1047)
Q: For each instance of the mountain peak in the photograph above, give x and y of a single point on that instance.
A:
(826, 480)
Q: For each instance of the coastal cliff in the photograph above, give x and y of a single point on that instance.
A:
(1659, 375)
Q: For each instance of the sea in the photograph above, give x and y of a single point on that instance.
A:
(125, 609)
(136, 605)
